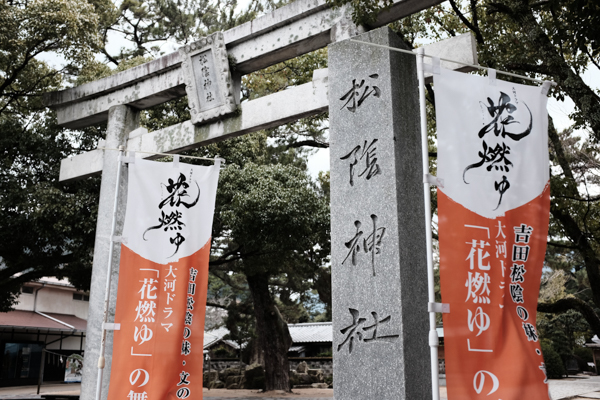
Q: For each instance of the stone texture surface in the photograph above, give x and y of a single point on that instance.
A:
(292, 30)
(379, 281)
(325, 365)
(122, 120)
(262, 113)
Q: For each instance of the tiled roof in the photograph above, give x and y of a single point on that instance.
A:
(311, 332)
(32, 320)
(216, 335)
(78, 323)
(317, 332)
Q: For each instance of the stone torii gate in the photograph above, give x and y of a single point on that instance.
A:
(376, 174)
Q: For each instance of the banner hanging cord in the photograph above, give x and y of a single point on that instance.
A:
(55, 354)
(168, 154)
(455, 62)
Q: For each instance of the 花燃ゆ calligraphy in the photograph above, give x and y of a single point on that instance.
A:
(495, 158)
(172, 209)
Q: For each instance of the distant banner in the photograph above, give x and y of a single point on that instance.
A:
(493, 208)
(73, 368)
(163, 278)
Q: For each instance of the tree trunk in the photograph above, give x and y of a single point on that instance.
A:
(274, 338)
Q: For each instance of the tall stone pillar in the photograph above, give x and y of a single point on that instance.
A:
(121, 120)
(379, 273)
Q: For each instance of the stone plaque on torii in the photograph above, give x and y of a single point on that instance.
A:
(388, 283)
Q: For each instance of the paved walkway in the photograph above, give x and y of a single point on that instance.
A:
(575, 388)
(28, 392)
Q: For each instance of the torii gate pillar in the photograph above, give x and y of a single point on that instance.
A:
(121, 120)
(379, 270)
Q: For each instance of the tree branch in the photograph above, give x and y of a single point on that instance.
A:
(217, 305)
(540, 4)
(573, 303)
(587, 52)
(467, 23)
(588, 199)
(310, 143)
(227, 279)
(562, 246)
(499, 8)
(538, 69)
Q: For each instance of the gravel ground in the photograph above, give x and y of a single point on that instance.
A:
(575, 388)
(579, 388)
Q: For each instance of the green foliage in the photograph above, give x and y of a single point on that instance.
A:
(224, 352)
(306, 132)
(292, 311)
(555, 368)
(147, 24)
(328, 353)
(563, 330)
(48, 227)
(364, 12)
(277, 212)
(166, 114)
(584, 353)
(240, 319)
(31, 28)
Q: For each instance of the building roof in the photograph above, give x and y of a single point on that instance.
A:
(43, 321)
(311, 332)
(317, 332)
(595, 342)
(216, 335)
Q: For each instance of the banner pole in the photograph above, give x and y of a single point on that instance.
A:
(433, 336)
(101, 360)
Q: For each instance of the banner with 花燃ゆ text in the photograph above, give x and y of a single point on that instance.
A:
(163, 278)
(493, 210)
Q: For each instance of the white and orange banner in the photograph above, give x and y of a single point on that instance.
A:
(493, 210)
(163, 278)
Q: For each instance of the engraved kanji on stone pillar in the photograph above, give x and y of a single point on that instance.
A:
(378, 266)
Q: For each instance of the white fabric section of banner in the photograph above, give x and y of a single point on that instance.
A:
(165, 204)
(486, 126)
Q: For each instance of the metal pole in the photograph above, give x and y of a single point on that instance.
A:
(209, 369)
(42, 365)
(433, 336)
(101, 360)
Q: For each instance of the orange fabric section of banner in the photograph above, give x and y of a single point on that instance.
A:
(158, 352)
(490, 271)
